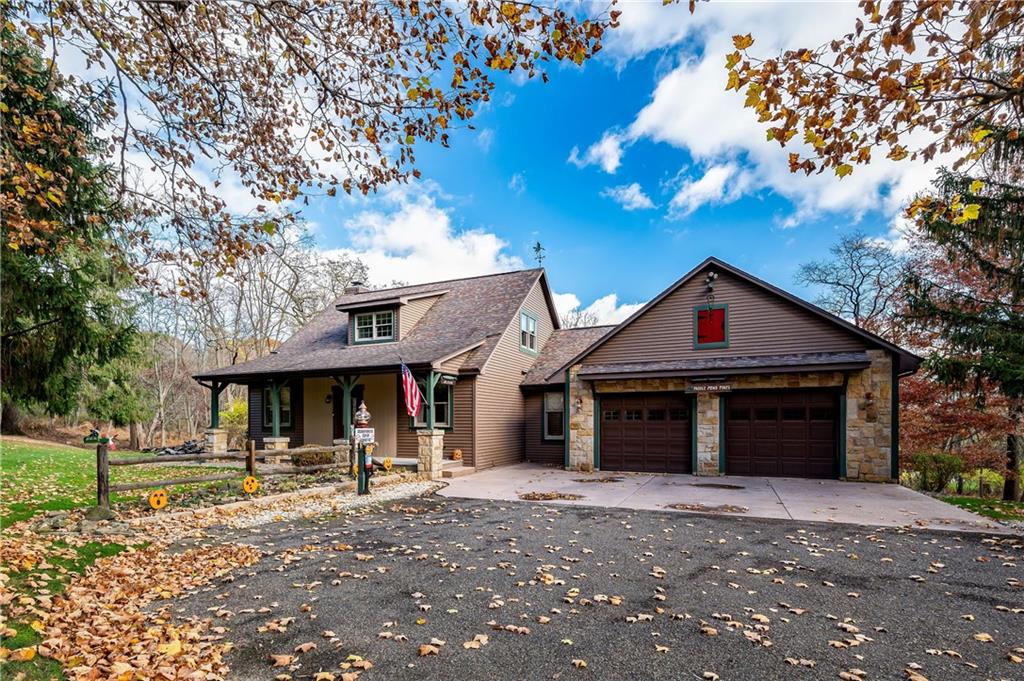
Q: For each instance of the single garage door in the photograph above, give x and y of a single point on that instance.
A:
(645, 432)
(788, 433)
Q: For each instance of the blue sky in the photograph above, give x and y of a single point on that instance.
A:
(701, 177)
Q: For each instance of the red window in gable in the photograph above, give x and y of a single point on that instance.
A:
(710, 326)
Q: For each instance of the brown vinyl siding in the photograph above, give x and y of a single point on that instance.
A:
(294, 432)
(759, 323)
(413, 312)
(539, 450)
(499, 404)
(453, 365)
(460, 436)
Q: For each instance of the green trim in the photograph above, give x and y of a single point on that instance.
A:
(895, 434)
(544, 418)
(536, 333)
(693, 434)
(597, 427)
(275, 409)
(428, 407)
(721, 433)
(842, 428)
(347, 384)
(705, 346)
(568, 430)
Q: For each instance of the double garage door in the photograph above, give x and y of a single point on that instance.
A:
(788, 433)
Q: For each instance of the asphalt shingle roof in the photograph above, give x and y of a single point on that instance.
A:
(795, 361)
(563, 345)
(470, 311)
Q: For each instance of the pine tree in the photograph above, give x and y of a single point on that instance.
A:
(973, 295)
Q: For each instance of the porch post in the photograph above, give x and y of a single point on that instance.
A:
(347, 383)
(428, 412)
(215, 390)
(275, 409)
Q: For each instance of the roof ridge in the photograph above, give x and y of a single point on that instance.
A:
(447, 281)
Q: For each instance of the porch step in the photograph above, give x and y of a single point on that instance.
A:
(456, 471)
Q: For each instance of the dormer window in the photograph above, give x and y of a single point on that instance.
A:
(527, 333)
(374, 326)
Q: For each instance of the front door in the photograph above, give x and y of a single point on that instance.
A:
(647, 432)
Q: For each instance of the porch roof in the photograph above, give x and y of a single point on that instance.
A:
(726, 366)
(469, 316)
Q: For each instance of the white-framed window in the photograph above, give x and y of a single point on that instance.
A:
(442, 408)
(554, 416)
(527, 332)
(374, 326)
(286, 408)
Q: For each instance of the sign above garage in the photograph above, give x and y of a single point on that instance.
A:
(709, 388)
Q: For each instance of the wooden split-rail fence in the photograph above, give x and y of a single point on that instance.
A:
(251, 456)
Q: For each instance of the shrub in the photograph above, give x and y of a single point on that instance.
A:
(235, 420)
(936, 471)
(303, 459)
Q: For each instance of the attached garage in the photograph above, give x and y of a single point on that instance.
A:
(786, 433)
(648, 432)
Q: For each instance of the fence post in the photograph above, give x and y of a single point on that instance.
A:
(250, 459)
(102, 477)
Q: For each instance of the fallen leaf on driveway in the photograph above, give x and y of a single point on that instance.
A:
(282, 660)
(427, 649)
(579, 664)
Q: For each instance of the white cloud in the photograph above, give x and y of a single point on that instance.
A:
(485, 139)
(690, 109)
(517, 184)
(607, 309)
(719, 184)
(606, 152)
(629, 196)
(408, 237)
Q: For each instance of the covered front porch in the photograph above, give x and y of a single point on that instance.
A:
(297, 409)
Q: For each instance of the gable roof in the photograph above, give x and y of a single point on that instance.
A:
(562, 345)
(470, 315)
(908, 362)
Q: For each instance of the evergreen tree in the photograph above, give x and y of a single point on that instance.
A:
(62, 307)
(972, 293)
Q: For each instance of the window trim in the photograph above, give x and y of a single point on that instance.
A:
(269, 423)
(697, 345)
(416, 424)
(523, 316)
(544, 411)
(373, 315)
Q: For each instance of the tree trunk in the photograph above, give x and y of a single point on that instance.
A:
(1011, 485)
(10, 419)
(133, 437)
(960, 485)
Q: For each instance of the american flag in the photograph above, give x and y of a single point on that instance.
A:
(413, 397)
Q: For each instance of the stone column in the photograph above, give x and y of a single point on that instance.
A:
(869, 420)
(344, 455)
(430, 454)
(271, 443)
(707, 434)
(216, 440)
(581, 423)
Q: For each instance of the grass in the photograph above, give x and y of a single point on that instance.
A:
(41, 476)
(992, 508)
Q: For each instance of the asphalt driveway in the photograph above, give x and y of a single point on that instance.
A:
(545, 589)
(830, 501)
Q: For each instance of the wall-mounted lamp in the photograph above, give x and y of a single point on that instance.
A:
(709, 283)
(327, 399)
(578, 404)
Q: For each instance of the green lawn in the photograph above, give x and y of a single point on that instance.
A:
(40, 476)
(992, 508)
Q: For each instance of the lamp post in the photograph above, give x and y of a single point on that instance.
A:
(363, 449)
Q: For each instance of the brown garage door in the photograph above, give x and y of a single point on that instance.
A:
(787, 433)
(645, 432)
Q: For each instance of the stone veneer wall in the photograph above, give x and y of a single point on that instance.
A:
(869, 420)
(869, 415)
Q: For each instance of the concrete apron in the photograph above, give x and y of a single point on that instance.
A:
(829, 501)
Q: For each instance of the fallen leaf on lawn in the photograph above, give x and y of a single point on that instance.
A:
(172, 648)
(23, 654)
